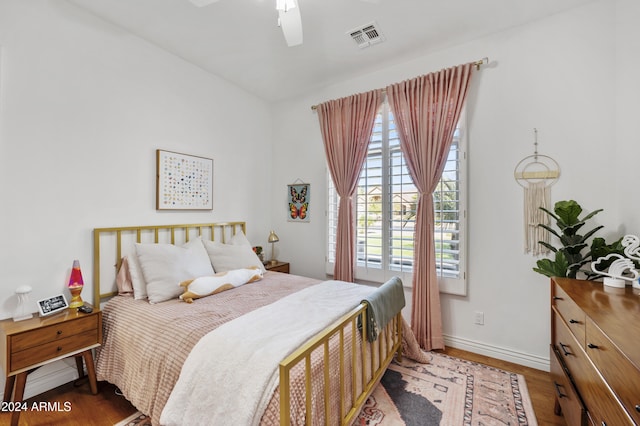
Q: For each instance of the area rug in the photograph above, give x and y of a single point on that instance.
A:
(448, 392)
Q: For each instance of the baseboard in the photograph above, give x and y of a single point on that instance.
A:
(528, 360)
(50, 376)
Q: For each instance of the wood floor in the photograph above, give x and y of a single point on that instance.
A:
(108, 408)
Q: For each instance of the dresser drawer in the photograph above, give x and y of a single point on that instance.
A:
(52, 333)
(572, 408)
(564, 342)
(50, 350)
(572, 314)
(623, 377)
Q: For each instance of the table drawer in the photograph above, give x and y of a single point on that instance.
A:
(572, 314)
(572, 408)
(50, 350)
(52, 333)
(623, 377)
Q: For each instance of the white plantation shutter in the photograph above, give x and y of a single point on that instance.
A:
(386, 203)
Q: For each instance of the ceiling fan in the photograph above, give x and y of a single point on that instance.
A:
(288, 18)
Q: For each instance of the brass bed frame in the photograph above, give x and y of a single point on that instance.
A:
(110, 246)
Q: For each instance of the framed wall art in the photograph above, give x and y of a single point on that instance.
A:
(298, 201)
(183, 182)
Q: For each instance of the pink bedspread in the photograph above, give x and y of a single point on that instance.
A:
(146, 345)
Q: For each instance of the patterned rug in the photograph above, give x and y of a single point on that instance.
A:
(448, 391)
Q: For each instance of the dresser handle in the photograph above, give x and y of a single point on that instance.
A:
(572, 321)
(592, 346)
(59, 348)
(638, 408)
(560, 394)
(557, 298)
(604, 423)
(59, 332)
(564, 349)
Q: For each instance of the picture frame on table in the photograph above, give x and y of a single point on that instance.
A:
(52, 305)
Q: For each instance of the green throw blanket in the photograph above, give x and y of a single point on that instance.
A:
(384, 304)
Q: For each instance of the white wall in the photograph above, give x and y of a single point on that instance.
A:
(84, 107)
(627, 111)
(555, 75)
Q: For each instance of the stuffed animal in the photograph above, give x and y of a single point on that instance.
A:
(206, 286)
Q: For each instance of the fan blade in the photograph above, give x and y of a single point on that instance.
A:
(291, 24)
(202, 3)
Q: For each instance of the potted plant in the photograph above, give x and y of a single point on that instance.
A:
(574, 251)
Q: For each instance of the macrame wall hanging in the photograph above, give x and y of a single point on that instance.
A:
(536, 174)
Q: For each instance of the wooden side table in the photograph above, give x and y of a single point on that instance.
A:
(277, 267)
(27, 345)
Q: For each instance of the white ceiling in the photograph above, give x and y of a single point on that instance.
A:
(239, 40)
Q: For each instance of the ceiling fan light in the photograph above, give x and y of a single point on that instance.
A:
(285, 5)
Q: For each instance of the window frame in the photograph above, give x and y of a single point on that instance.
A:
(448, 285)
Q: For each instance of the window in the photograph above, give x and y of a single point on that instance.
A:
(386, 204)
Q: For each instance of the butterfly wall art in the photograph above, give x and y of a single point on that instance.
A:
(298, 202)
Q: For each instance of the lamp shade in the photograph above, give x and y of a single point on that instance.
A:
(273, 238)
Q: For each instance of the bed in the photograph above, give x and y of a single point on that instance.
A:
(156, 353)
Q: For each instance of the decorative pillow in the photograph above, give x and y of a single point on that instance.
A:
(239, 239)
(226, 257)
(137, 280)
(123, 279)
(165, 265)
(221, 281)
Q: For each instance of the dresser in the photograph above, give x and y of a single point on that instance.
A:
(595, 352)
(27, 345)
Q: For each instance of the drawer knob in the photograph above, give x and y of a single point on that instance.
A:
(59, 332)
(560, 394)
(572, 321)
(592, 346)
(59, 348)
(638, 408)
(564, 349)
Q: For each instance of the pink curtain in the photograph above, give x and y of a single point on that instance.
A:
(426, 110)
(346, 125)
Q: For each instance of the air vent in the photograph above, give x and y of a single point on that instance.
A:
(366, 35)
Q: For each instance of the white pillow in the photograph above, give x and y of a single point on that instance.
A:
(239, 240)
(137, 280)
(165, 266)
(227, 257)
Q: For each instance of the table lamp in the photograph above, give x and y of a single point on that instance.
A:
(75, 285)
(23, 311)
(273, 238)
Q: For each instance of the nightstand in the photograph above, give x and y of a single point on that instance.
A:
(277, 267)
(27, 345)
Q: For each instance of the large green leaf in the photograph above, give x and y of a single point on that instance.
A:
(553, 268)
(568, 211)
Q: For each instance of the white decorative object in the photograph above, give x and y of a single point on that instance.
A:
(616, 275)
(23, 311)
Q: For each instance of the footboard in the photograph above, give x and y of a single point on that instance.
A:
(358, 369)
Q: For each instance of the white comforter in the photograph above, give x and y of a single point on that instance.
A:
(232, 372)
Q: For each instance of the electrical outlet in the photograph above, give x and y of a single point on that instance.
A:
(479, 318)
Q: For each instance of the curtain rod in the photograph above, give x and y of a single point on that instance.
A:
(478, 64)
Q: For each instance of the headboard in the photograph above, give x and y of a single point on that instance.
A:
(111, 244)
